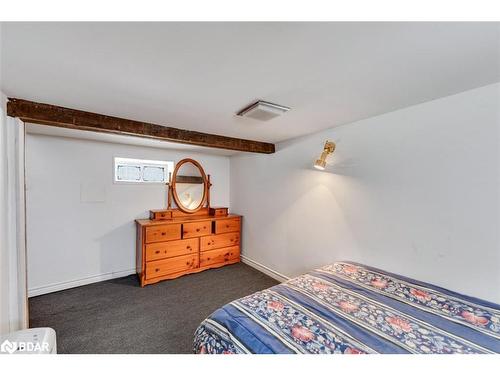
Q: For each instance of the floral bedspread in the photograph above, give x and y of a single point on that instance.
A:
(348, 308)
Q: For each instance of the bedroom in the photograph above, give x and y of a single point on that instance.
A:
(250, 187)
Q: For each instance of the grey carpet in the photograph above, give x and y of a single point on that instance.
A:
(118, 316)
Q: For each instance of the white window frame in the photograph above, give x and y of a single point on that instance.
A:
(117, 161)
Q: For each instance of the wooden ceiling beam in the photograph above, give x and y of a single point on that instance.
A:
(47, 114)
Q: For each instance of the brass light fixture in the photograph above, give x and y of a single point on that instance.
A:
(327, 150)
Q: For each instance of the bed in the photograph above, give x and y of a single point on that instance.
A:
(349, 308)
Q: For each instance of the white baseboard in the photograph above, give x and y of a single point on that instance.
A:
(33, 292)
(264, 269)
(78, 282)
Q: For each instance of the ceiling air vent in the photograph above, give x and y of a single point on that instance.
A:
(263, 111)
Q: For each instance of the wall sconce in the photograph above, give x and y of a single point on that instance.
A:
(327, 150)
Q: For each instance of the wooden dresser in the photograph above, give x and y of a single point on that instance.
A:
(183, 244)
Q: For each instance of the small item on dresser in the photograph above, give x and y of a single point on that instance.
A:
(160, 214)
(218, 211)
(188, 239)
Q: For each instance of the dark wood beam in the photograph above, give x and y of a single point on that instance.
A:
(46, 114)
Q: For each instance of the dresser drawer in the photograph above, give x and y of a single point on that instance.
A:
(170, 249)
(208, 258)
(216, 241)
(197, 229)
(227, 225)
(166, 232)
(162, 267)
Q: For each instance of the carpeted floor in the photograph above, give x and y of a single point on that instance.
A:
(117, 316)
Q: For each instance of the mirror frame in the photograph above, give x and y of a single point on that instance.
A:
(174, 189)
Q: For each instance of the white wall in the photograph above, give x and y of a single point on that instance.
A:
(71, 242)
(415, 191)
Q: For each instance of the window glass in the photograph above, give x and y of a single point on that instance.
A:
(128, 173)
(153, 173)
(142, 171)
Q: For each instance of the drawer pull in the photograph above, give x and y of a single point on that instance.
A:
(227, 225)
(157, 270)
(188, 247)
(163, 233)
(157, 251)
(197, 229)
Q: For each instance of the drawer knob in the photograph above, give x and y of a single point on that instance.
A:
(197, 229)
(188, 247)
(227, 225)
(163, 233)
(157, 270)
(157, 251)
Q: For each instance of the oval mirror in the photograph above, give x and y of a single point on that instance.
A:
(189, 185)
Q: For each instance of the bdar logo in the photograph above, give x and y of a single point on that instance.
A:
(8, 347)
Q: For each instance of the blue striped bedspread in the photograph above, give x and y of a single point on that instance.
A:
(349, 308)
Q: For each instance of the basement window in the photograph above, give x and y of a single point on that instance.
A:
(142, 171)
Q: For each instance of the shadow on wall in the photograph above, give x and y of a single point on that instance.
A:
(302, 207)
(309, 211)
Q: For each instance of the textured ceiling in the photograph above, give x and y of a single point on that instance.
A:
(196, 76)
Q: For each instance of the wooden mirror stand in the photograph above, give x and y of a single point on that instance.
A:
(176, 178)
(203, 209)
